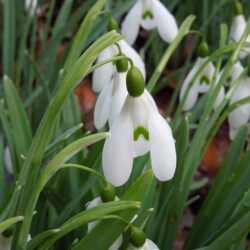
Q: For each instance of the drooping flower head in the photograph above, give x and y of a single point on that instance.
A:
(149, 14)
(138, 129)
(202, 83)
(237, 29)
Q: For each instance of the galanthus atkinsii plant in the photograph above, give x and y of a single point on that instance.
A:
(124, 125)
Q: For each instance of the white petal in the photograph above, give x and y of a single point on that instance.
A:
(97, 201)
(102, 75)
(165, 22)
(116, 245)
(148, 245)
(117, 157)
(119, 96)
(237, 28)
(131, 24)
(162, 147)
(219, 98)
(237, 69)
(5, 243)
(194, 91)
(233, 132)
(130, 52)
(102, 107)
(8, 161)
(141, 146)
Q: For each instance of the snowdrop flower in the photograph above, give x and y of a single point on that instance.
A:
(102, 76)
(148, 245)
(97, 201)
(31, 6)
(138, 129)
(149, 14)
(241, 115)
(201, 84)
(237, 29)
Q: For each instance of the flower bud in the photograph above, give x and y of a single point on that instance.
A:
(203, 50)
(135, 82)
(136, 236)
(238, 10)
(112, 24)
(108, 193)
(122, 65)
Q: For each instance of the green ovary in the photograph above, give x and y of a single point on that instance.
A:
(147, 14)
(141, 131)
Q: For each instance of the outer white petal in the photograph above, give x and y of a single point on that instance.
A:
(219, 98)
(237, 28)
(131, 24)
(237, 69)
(5, 243)
(162, 148)
(102, 107)
(194, 91)
(130, 52)
(117, 156)
(102, 75)
(165, 22)
(241, 115)
(148, 245)
(97, 201)
(119, 96)
(30, 6)
(208, 71)
(8, 161)
(233, 132)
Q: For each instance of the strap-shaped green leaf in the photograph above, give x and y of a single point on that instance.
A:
(9, 222)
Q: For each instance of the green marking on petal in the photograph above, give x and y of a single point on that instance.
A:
(141, 131)
(147, 14)
(204, 80)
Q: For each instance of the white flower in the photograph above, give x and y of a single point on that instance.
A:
(201, 84)
(236, 31)
(8, 161)
(148, 245)
(241, 115)
(139, 128)
(31, 6)
(149, 14)
(97, 201)
(110, 101)
(102, 76)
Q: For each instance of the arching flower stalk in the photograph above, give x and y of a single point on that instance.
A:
(149, 14)
(138, 129)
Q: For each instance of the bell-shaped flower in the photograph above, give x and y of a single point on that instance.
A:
(241, 115)
(148, 245)
(149, 14)
(237, 29)
(138, 129)
(102, 76)
(97, 201)
(200, 85)
(110, 101)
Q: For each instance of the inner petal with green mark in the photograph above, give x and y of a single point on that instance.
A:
(204, 80)
(147, 14)
(141, 131)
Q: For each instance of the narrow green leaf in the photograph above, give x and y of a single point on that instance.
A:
(9, 222)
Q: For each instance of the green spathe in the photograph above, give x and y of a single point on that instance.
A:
(135, 82)
(203, 50)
